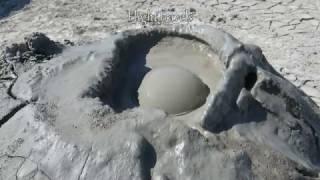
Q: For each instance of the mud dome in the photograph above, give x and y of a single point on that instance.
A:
(81, 118)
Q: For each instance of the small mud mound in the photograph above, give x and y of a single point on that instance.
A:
(37, 47)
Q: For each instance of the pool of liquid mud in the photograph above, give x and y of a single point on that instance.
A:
(189, 54)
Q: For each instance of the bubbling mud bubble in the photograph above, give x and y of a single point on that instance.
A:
(173, 89)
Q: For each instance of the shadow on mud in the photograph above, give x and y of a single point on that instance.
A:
(9, 6)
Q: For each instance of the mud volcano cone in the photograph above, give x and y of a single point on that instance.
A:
(183, 102)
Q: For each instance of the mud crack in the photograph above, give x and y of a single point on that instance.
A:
(12, 113)
(85, 163)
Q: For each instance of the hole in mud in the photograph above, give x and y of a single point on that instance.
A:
(250, 80)
(138, 55)
(130, 71)
(149, 159)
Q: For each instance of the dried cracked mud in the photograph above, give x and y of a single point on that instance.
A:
(70, 106)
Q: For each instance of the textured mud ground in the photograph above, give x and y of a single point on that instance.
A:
(287, 30)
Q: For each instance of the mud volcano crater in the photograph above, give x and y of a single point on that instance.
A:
(195, 71)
